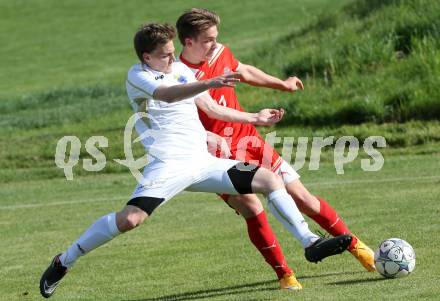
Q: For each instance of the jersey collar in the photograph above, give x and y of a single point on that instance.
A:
(145, 67)
(194, 66)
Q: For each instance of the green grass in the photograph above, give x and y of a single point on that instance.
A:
(82, 51)
(370, 68)
(196, 248)
(81, 93)
(57, 44)
(372, 61)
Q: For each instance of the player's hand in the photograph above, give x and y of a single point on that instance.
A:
(225, 80)
(225, 151)
(293, 83)
(269, 116)
(217, 142)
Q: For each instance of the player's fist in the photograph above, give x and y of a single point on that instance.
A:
(293, 83)
(217, 144)
(269, 116)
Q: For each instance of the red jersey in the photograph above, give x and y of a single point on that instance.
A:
(244, 141)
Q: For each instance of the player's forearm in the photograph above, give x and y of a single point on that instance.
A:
(231, 115)
(179, 92)
(183, 91)
(215, 111)
(256, 77)
(235, 116)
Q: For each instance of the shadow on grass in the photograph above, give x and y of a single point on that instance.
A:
(374, 277)
(329, 275)
(269, 285)
(209, 293)
(356, 281)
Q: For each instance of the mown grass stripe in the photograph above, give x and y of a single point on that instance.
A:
(123, 197)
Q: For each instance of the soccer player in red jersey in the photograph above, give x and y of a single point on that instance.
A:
(198, 31)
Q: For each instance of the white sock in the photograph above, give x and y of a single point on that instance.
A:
(101, 232)
(284, 209)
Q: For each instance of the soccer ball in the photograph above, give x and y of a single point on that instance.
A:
(394, 258)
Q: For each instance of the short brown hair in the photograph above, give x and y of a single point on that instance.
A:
(194, 21)
(150, 36)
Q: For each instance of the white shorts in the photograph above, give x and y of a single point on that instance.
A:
(287, 173)
(166, 179)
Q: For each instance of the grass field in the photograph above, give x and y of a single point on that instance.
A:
(371, 61)
(370, 67)
(78, 42)
(196, 248)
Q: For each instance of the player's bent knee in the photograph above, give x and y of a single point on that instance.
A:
(273, 181)
(146, 204)
(127, 223)
(136, 211)
(266, 181)
(129, 218)
(134, 220)
(241, 176)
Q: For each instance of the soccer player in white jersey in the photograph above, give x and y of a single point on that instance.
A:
(177, 162)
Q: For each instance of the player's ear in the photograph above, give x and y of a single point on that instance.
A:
(188, 42)
(146, 57)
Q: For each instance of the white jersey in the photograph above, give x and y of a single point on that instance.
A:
(173, 131)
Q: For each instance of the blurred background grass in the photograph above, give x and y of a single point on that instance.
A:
(371, 61)
(369, 68)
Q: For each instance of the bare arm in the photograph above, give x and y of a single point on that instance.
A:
(255, 77)
(183, 91)
(265, 117)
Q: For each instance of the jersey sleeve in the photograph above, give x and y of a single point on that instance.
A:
(142, 81)
(235, 64)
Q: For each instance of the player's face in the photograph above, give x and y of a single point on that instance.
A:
(161, 58)
(204, 45)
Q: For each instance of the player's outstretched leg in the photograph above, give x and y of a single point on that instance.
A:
(285, 210)
(327, 217)
(102, 231)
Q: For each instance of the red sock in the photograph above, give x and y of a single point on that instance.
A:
(329, 220)
(266, 243)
